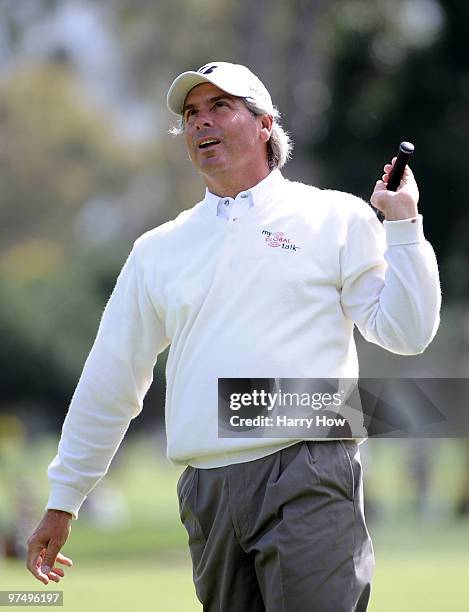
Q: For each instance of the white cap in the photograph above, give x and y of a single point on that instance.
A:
(235, 79)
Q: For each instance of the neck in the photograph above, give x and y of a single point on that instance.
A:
(232, 184)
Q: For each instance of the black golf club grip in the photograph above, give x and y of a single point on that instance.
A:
(405, 151)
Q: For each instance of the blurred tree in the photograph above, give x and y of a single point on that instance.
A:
(401, 72)
(63, 172)
(55, 154)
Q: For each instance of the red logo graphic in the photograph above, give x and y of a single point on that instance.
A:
(277, 239)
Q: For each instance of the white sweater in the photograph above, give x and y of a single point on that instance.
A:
(272, 293)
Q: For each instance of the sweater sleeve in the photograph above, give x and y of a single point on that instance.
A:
(110, 392)
(390, 282)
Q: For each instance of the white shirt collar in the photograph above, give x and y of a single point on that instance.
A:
(256, 195)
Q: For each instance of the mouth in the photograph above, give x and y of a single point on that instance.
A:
(208, 143)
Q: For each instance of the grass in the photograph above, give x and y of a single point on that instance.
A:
(417, 584)
(113, 586)
(137, 558)
(421, 566)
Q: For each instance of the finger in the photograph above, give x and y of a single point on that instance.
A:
(55, 574)
(376, 196)
(50, 557)
(380, 186)
(52, 576)
(40, 557)
(64, 560)
(34, 559)
(41, 576)
(34, 552)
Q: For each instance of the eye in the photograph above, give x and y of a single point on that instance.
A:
(219, 103)
(189, 113)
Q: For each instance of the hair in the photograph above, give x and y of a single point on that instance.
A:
(279, 145)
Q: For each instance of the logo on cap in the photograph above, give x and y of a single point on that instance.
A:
(207, 69)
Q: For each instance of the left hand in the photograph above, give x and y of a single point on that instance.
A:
(44, 546)
(400, 204)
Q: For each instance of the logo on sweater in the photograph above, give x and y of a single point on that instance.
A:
(279, 239)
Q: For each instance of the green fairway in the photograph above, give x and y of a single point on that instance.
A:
(421, 585)
(120, 586)
(421, 567)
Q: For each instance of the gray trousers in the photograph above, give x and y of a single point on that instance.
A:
(285, 533)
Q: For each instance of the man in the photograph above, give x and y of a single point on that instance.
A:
(273, 524)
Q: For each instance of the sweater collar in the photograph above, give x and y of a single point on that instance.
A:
(257, 194)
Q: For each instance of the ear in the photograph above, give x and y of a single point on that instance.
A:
(267, 122)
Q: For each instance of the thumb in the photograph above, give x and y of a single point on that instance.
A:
(50, 557)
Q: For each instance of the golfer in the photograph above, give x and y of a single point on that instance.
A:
(263, 278)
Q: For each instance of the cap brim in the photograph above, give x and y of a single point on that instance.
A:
(181, 87)
(188, 80)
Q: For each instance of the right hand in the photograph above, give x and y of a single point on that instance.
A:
(44, 546)
(400, 204)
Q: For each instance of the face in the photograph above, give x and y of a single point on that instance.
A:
(223, 137)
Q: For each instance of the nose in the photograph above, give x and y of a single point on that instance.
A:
(203, 120)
